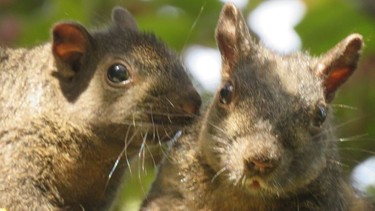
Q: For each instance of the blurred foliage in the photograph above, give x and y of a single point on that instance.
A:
(325, 24)
(181, 23)
(330, 21)
(371, 193)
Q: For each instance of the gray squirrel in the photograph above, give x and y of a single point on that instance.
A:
(266, 141)
(70, 108)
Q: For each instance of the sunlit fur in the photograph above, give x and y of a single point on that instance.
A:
(273, 119)
(65, 140)
(280, 103)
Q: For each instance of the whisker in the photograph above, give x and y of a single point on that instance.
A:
(169, 118)
(167, 113)
(144, 170)
(243, 181)
(114, 167)
(141, 160)
(237, 180)
(219, 129)
(344, 106)
(166, 132)
(126, 146)
(348, 122)
(141, 150)
(358, 150)
(133, 120)
(142, 124)
(163, 151)
(153, 125)
(336, 162)
(140, 179)
(331, 129)
(216, 127)
(118, 159)
(221, 142)
(159, 141)
(170, 102)
(194, 25)
(354, 138)
(169, 144)
(280, 188)
(218, 173)
(152, 157)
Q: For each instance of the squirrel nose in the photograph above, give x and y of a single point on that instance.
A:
(259, 165)
(192, 102)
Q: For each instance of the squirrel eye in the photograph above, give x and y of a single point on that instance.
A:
(118, 73)
(226, 93)
(320, 115)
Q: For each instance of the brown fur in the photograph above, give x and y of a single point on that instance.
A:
(265, 142)
(63, 123)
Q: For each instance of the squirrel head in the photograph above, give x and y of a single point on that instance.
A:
(268, 129)
(122, 81)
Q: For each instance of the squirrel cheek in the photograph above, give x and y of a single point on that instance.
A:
(207, 145)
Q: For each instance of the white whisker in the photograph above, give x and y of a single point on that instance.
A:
(170, 102)
(118, 159)
(218, 173)
(153, 126)
(343, 106)
(152, 157)
(353, 138)
(217, 128)
(194, 25)
(141, 153)
(358, 150)
(127, 143)
(237, 181)
(331, 129)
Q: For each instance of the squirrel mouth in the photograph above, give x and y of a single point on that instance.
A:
(166, 126)
(171, 119)
(254, 185)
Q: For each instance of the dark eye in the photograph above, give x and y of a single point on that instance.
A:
(118, 73)
(226, 93)
(320, 115)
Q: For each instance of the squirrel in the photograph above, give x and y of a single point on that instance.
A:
(266, 141)
(71, 107)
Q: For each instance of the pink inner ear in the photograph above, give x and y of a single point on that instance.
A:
(68, 41)
(336, 78)
(226, 48)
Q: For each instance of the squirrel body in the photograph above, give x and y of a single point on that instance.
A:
(72, 108)
(266, 141)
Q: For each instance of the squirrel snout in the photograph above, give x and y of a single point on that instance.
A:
(191, 102)
(191, 107)
(260, 165)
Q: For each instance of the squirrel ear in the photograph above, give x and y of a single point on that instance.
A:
(123, 19)
(337, 65)
(232, 35)
(70, 44)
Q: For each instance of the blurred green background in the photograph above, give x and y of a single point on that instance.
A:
(182, 23)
